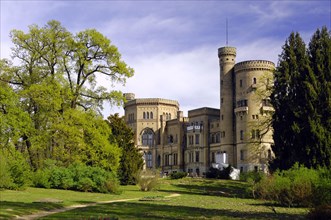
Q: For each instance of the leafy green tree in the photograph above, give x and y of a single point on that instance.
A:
(299, 133)
(55, 80)
(131, 159)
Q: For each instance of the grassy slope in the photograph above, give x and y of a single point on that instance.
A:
(200, 199)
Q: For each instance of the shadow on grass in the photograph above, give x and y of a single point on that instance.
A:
(10, 209)
(232, 189)
(145, 210)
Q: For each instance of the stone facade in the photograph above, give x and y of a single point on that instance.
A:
(234, 134)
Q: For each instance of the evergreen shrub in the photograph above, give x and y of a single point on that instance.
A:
(178, 175)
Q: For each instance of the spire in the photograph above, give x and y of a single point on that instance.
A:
(226, 27)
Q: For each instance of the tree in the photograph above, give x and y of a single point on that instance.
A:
(299, 134)
(55, 80)
(131, 159)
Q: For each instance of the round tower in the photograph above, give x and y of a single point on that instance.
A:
(252, 80)
(227, 57)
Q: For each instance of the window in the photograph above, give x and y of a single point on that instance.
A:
(222, 100)
(170, 139)
(149, 162)
(197, 139)
(190, 157)
(222, 116)
(144, 115)
(190, 140)
(169, 116)
(241, 83)
(254, 80)
(241, 135)
(242, 155)
(197, 156)
(255, 134)
(221, 82)
(151, 115)
(147, 115)
(175, 159)
(242, 103)
(218, 138)
(148, 137)
(212, 157)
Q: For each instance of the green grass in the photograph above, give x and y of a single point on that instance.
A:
(199, 199)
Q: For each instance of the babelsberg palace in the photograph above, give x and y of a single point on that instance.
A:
(233, 134)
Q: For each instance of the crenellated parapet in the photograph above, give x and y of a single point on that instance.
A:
(152, 101)
(225, 51)
(250, 65)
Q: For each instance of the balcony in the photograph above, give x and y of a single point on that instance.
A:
(267, 109)
(241, 109)
(194, 128)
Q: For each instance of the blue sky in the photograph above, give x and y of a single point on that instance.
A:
(172, 45)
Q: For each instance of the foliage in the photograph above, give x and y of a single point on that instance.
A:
(131, 161)
(301, 98)
(50, 102)
(253, 175)
(77, 177)
(178, 175)
(15, 172)
(147, 180)
(298, 186)
(219, 174)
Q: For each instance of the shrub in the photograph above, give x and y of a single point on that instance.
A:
(178, 175)
(41, 178)
(219, 174)
(77, 177)
(294, 187)
(15, 171)
(147, 180)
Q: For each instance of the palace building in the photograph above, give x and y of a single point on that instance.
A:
(235, 134)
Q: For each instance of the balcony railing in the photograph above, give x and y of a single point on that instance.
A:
(194, 128)
(241, 109)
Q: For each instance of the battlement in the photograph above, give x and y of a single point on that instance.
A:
(263, 65)
(224, 51)
(152, 101)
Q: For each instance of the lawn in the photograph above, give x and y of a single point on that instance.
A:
(199, 199)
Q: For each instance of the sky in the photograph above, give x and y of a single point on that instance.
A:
(172, 45)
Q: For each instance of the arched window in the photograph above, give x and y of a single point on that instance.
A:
(254, 80)
(147, 114)
(169, 116)
(148, 137)
(144, 115)
(151, 115)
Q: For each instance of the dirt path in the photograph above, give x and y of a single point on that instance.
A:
(45, 213)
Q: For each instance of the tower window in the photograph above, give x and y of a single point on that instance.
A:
(241, 83)
(254, 80)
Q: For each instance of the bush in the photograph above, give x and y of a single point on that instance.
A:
(219, 174)
(297, 186)
(77, 177)
(251, 176)
(147, 180)
(15, 171)
(178, 175)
